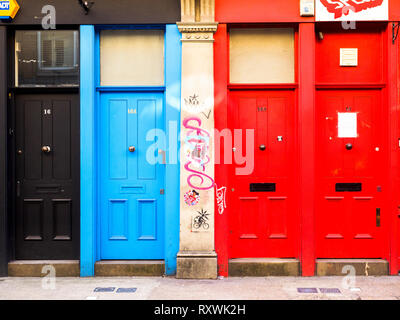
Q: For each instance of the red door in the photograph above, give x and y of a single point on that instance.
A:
(351, 157)
(264, 222)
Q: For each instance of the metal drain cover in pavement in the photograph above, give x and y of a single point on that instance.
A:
(307, 290)
(329, 290)
(126, 290)
(109, 289)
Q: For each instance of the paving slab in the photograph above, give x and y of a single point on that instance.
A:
(170, 288)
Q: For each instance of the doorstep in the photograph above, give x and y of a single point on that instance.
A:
(362, 267)
(129, 268)
(36, 268)
(264, 267)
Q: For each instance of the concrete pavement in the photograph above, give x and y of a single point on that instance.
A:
(169, 288)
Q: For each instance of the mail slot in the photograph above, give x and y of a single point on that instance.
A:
(48, 188)
(348, 187)
(262, 187)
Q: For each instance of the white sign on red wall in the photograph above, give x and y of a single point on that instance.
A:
(352, 10)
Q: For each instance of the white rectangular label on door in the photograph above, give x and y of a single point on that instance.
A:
(348, 57)
(347, 125)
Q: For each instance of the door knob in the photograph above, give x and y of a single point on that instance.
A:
(162, 152)
(46, 149)
(349, 146)
(132, 149)
(262, 147)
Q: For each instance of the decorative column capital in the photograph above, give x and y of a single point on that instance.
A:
(197, 31)
(198, 10)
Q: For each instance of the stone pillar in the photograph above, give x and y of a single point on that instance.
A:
(197, 258)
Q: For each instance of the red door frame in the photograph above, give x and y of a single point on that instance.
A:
(391, 76)
(223, 171)
(306, 140)
(289, 246)
(307, 146)
(394, 101)
(221, 122)
(393, 81)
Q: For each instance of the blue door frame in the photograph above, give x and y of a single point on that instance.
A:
(90, 103)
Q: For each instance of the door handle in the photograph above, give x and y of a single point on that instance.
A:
(18, 188)
(349, 146)
(131, 149)
(46, 149)
(378, 217)
(162, 152)
(262, 147)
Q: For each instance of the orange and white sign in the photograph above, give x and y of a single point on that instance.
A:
(8, 9)
(352, 10)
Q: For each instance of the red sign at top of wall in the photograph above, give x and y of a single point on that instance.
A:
(330, 10)
(338, 7)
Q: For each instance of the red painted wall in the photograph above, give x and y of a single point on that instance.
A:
(378, 66)
(221, 122)
(394, 10)
(369, 42)
(239, 11)
(306, 125)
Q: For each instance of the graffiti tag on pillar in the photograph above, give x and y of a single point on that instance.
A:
(191, 198)
(207, 115)
(197, 147)
(194, 105)
(192, 100)
(221, 199)
(200, 220)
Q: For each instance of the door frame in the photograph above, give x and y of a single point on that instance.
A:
(90, 102)
(266, 89)
(7, 137)
(222, 89)
(75, 164)
(4, 240)
(105, 193)
(380, 90)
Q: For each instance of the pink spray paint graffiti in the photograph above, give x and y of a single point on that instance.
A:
(197, 145)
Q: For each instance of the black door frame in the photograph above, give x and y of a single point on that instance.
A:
(4, 243)
(7, 137)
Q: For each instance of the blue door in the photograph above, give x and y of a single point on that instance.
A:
(131, 176)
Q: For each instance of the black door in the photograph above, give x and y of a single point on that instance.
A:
(47, 174)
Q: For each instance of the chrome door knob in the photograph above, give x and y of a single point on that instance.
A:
(349, 146)
(262, 147)
(132, 149)
(46, 149)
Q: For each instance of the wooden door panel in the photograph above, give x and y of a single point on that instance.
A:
(350, 182)
(264, 219)
(47, 208)
(61, 139)
(131, 206)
